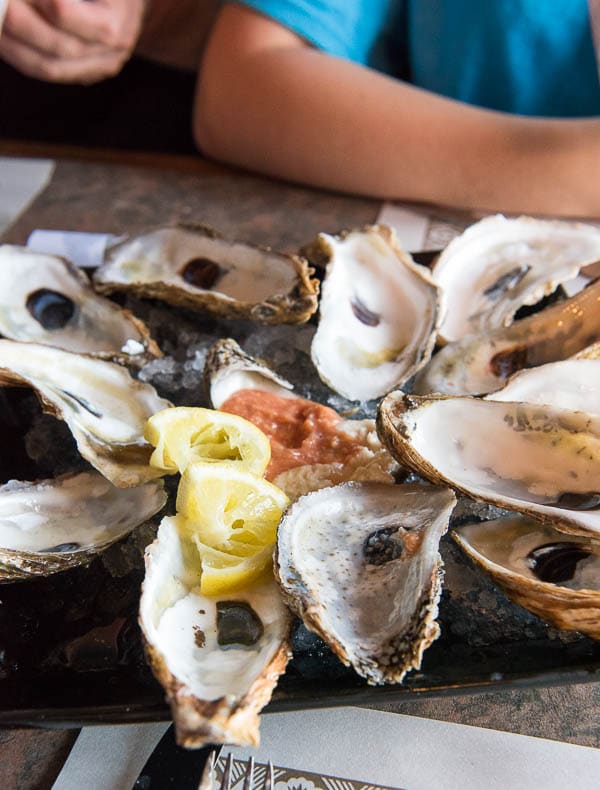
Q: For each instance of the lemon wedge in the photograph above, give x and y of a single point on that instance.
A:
(185, 435)
(223, 572)
(226, 505)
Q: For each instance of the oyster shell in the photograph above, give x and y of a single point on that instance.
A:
(498, 265)
(482, 362)
(379, 313)
(554, 575)
(45, 299)
(195, 267)
(216, 691)
(568, 384)
(104, 407)
(51, 525)
(537, 459)
(359, 563)
(229, 370)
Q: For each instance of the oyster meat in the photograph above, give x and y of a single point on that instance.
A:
(538, 459)
(217, 658)
(498, 265)
(51, 525)
(105, 408)
(195, 267)
(379, 313)
(554, 575)
(359, 563)
(45, 299)
(482, 362)
(230, 372)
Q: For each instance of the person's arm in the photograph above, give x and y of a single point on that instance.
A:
(268, 101)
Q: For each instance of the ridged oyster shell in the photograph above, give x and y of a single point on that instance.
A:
(498, 265)
(359, 563)
(482, 362)
(228, 369)
(378, 314)
(45, 299)
(105, 408)
(48, 526)
(553, 575)
(537, 459)
(215, 692)
(193, 266)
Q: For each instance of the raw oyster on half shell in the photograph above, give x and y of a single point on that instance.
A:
(48, 526)
(379, 313)
(218, 659)
(105, 408)
(194, 267)
(537, 459)
(482, 362)
(229, 371)
(359, 563)
(498, 265)
(45, 299)
(554, 575)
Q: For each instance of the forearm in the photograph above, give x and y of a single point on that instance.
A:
(293, 112)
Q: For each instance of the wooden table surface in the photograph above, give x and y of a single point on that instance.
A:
(114, 192)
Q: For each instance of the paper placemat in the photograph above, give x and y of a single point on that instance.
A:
(354, 749)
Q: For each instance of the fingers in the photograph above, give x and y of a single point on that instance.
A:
(70, 40)
(112, 23)
(84, 69)
(23, 24)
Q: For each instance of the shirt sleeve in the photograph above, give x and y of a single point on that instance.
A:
(351, 29)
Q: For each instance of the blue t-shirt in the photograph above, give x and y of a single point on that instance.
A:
(530, 57)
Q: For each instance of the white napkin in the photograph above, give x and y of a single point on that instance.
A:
(20, 179)
(109, 758)
(355, 749)
(81, 248)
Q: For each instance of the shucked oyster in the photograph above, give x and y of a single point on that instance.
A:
(481, 362)
(498, 265)
(195, 267)
(379, 313)
(537, 459)
(45, 299)
(360, 564)
(297, 466)
(51, 525)
(218, 659)
(104, 407)
(556, 576)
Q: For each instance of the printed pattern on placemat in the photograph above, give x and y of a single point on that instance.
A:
(291, 778)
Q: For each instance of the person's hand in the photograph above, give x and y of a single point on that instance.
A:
(80, 41)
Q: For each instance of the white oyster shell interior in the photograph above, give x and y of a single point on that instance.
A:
(91, 323)
(247, 274)
(104, 407)
(482, 362)
(359, 563)
(498, 265)
(180, 625)
(568, 384)
(538, 459)
(72, 513)
(378, 315)
(514, 545)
